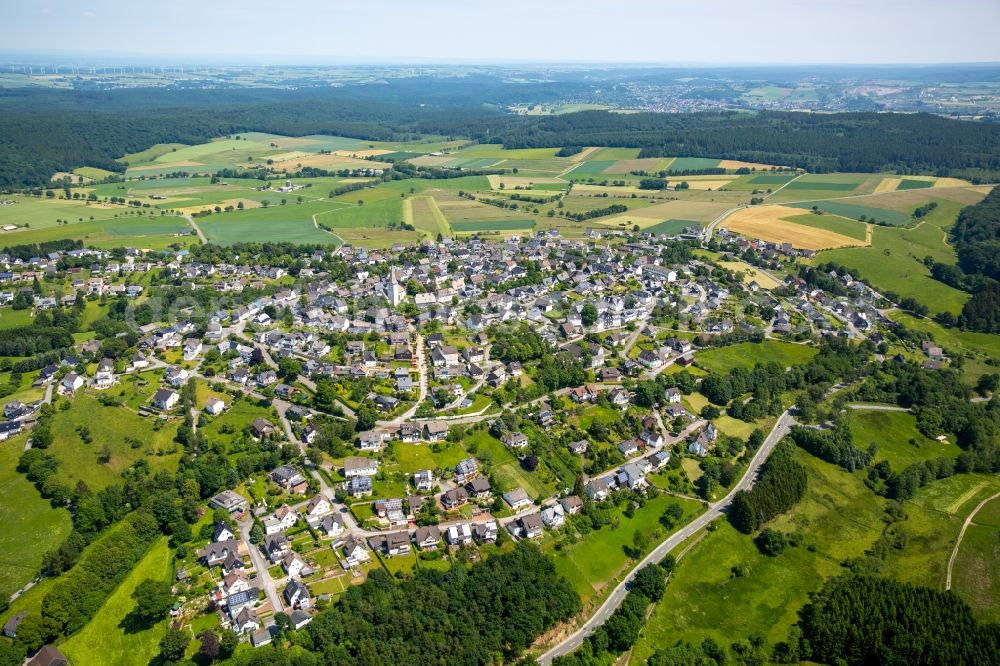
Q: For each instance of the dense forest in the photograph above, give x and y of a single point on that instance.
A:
(488, 613)
(44, 131)
(869, 620)
(782, 483)
(976, 237)
(818, 142)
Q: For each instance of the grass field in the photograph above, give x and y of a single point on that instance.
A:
(671, 227)
(505, 467)
(279, 223)
(110, 638)
(601, 555)
(691, 163)
(413, 457)
(894, 261)
(29, 526)
(42, 213)
(492, 225)
(934, 518)
(976, 576)
(748, 354)
(838, 225)
(108, 425)
(750, 274)
(854, 211)
(892, 433)
(423, 213)
(839, 518)
(698, 211)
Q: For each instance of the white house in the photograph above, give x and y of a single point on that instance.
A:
(282, 519)
(354, 466)
(165, 399)
(72, 382)
(214, 406)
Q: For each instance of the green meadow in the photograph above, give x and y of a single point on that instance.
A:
(748, 354)
(855, 211)
(29, 525)
(894, 261)
(839, 225)
(80, 461)
(110, 637)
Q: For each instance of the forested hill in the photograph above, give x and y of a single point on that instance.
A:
(976, 237)
(44, 131)
(819, 142)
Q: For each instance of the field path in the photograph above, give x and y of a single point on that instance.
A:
(197, 229)
(316, 224)
(440, 221)
(961, 534)
(969, 494)
(785, 185)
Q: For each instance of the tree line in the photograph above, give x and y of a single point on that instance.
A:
(782, 483)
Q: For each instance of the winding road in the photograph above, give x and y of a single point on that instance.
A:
(716, 509)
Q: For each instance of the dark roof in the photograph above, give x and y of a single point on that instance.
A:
(49, 655)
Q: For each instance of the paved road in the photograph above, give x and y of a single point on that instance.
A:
(422, 383)
(260, 564)
(716, 509)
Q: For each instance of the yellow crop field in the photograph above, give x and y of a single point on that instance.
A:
(583, 154)
(738, 164)
(362, 153)
(431, 160)
(769, 223)
(751, 274)
(888, 185)
(332, 161)
(247, 203)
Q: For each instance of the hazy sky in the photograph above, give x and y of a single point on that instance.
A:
(662, 31)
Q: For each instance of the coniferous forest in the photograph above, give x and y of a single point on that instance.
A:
(873, 620)
(44, 131)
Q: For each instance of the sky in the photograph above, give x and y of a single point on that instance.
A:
(456, 31)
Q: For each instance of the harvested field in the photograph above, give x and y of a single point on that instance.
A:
(333, 161)
(432, 160)
(247, 203)
(291, 155)
(362, 153)
(583, 154)
(888, 185)
(738, 164)
(771, 223)
(751, 274)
